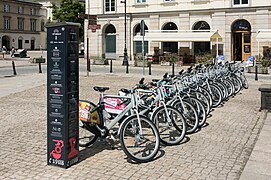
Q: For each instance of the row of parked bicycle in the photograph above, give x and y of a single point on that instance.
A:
(162, 111)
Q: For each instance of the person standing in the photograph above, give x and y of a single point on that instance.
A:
(4, 51)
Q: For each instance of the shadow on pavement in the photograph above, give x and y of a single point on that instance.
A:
(98, 146)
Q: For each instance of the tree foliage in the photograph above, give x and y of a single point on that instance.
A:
(68, 12)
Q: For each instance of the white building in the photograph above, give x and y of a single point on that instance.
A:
(236, 21)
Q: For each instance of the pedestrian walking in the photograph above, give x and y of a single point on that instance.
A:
(12, 52)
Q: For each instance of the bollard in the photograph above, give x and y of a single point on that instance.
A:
(256, 73)
(111, 66)
(14, 70)
(88, 60)
(173, 69)
(149, 68)
(127, 70)
(40, 68)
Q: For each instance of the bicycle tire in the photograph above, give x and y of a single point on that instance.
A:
(200, 109)
(86, 135)
(207, 94)
(170, 134)
(236, 83)
(229, 86)
(190, 114)
(244, 81)
(216, 95)
(200, 96)
(129, 135)
(223, 89)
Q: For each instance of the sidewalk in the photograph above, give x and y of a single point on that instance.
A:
(219, 151)
(235, 143)
(259, 163)
(14, 84)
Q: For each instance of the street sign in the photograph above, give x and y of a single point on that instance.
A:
(142, 28)
(94, 27)
(62, 94)
(87, 16)
(92, 21)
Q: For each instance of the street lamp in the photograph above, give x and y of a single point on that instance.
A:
(125, 59)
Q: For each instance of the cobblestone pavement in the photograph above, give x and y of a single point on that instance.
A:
(218, 151)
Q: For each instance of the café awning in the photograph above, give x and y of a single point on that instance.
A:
(180, 36)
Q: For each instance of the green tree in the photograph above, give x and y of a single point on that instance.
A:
(68, 12)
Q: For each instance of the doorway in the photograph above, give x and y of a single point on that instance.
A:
(237, 46)
(32, 46)
(20, 44)
(241, 40)
(6, 42)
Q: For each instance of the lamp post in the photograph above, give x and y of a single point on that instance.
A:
(125, 59)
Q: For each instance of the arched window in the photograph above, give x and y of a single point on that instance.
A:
(201, 48)
(171, 47)
(138, 44)
(170, 26)
(241, 25)
(137, 29)
(201, 25)
(110, 39)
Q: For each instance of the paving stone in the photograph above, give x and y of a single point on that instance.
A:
(217, 151)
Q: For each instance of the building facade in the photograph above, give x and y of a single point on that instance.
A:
(236, 22)
(22, 25)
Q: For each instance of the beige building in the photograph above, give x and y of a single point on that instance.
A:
(185, 27)
(22, 25)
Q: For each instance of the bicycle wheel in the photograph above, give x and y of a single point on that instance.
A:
(216, 94)
(200, 96)
(244, 81)
(229, 86)
(200, 109)
(237, 84)
(207, 94)
(223, 89)
(170, 123)
(139, 147)
(190, 114)
(87, 134)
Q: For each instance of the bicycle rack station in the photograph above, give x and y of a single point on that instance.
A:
(62, 94)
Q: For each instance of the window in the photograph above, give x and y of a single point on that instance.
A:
(6, 22)
(33, 24)
(20, 10)
(33, 11)
(6, 8)
(140, 1)
(138, 46)
(20, 23)
(169, 0)
(240, 2)
(109, 5)
(42, 23)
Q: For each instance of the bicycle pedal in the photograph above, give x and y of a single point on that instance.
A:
(114, 132)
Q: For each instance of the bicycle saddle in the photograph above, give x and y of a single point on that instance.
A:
(100, 89)
(155, 80)
(126, 91)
